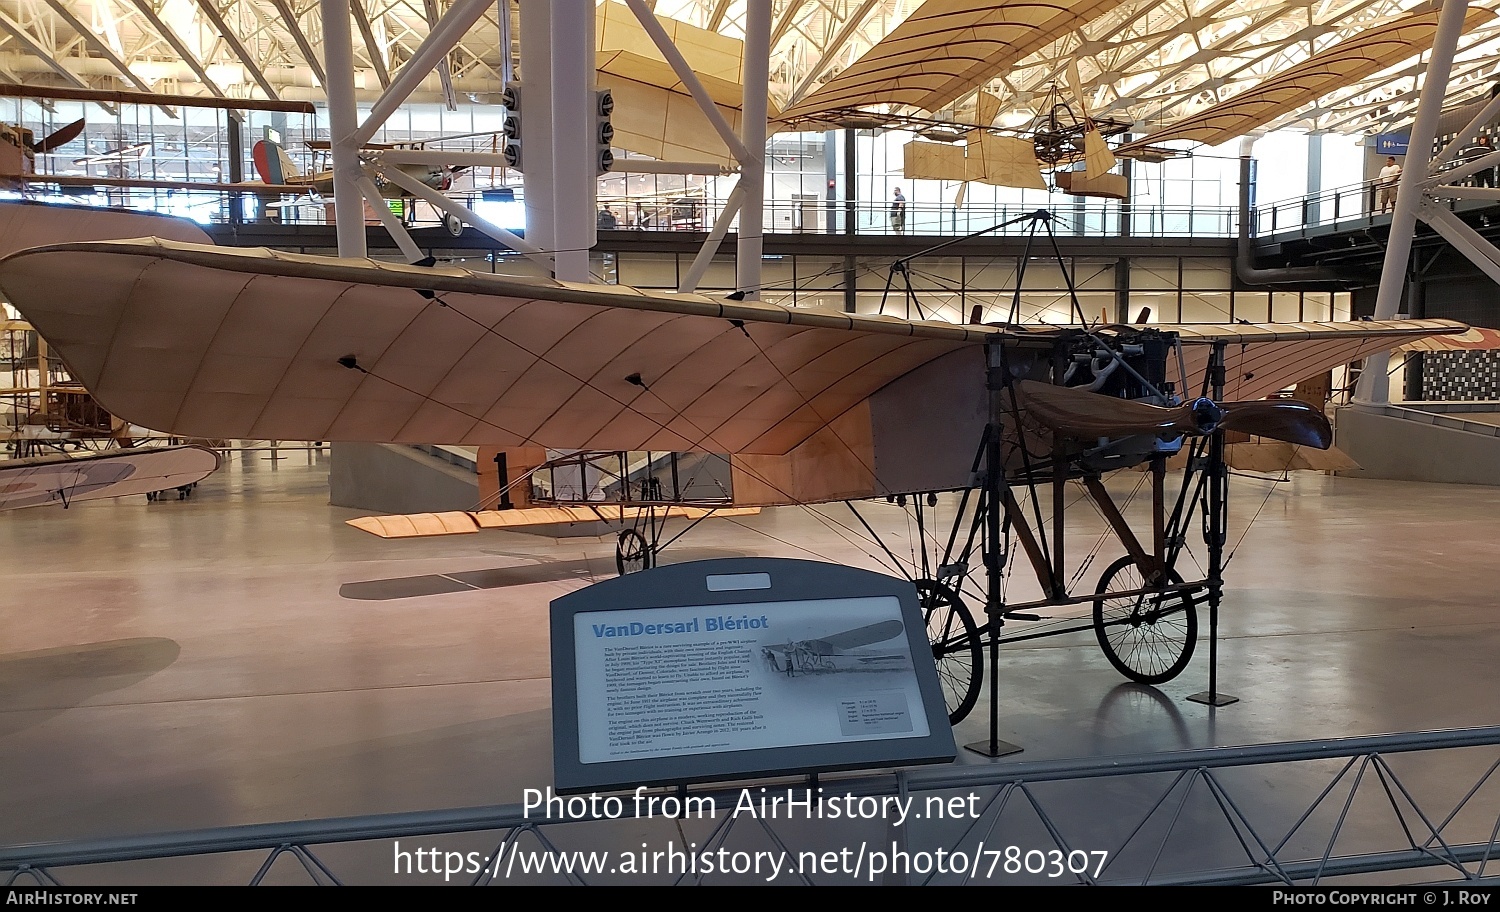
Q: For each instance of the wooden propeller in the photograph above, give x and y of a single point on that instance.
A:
(1083, 415)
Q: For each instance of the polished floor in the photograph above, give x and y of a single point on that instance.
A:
(244, 656)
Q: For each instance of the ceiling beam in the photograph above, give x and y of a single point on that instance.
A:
(716, 18)
(784, 22)
(211, 10)
(314, 59)
(14, 29)
(445, 70)
(173, 39)
(103, 50)
(831, 50)
(372, 47)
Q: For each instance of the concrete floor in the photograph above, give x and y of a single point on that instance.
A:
(246, 657)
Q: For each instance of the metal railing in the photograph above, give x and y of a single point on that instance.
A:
(1352, 206)
(1292, 813)
(694, 214)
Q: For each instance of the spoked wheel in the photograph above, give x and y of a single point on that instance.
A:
(1149, 637)
(956, 649)
(633, 553)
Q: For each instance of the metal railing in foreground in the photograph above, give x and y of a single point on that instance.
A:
(1229, 815)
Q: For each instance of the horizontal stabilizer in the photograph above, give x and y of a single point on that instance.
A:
(421, 525)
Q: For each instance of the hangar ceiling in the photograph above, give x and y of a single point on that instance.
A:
(1150, 62)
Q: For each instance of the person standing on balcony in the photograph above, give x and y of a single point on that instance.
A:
(1481, 148)
(898, 212)
(1390, 176)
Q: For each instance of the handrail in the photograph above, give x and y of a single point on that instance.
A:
(1422, 837)
(1075, 216)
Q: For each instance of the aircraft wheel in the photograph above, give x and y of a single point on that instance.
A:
(1149, 638)
(633, 553)
(956, 648)
(454, 225)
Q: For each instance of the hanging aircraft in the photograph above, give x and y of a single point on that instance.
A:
(66, 480)
(19, 149)
(275, 166)
(811, 406)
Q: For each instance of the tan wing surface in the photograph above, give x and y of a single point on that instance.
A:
(26, 224)
(946, 49)
(67, 480)
(419, 525)
(208, 342)
(1262, 358)
(1338, 67)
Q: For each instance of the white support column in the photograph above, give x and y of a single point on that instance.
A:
(343, 116)
(443, 38)
(536, 121)
(1374, 382)
(1469, 132)
(393, 225)
(422, 191)
(1464, 239)
(574, 145)
(756, 77)
(1454, 175)
(711, 243)
(1488, 194)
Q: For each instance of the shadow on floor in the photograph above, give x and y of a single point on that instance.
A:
(65, 676)
(585, 570)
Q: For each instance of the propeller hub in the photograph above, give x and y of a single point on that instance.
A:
(1206, 414)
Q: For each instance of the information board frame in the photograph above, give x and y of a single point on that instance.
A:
(731, 587)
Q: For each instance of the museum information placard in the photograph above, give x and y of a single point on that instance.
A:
(717, 668)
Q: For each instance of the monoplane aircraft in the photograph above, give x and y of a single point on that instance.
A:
(840, 651)
(812, 406)
(276, 167)
(66, 480)
(19, 148)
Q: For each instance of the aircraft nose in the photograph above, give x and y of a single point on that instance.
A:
(1206, 415)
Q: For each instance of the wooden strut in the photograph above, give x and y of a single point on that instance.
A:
(1151, 564)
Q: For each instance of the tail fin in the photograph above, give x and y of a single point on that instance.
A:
(273, 164)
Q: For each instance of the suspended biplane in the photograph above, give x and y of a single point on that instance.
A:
(812, 406)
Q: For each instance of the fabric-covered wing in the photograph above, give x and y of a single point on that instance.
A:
(27, 224)
(209, 342)
(69, 480)
(421, 525)
(1476, 339)
(1261, 359)
(1338, 67)
(946, 49)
